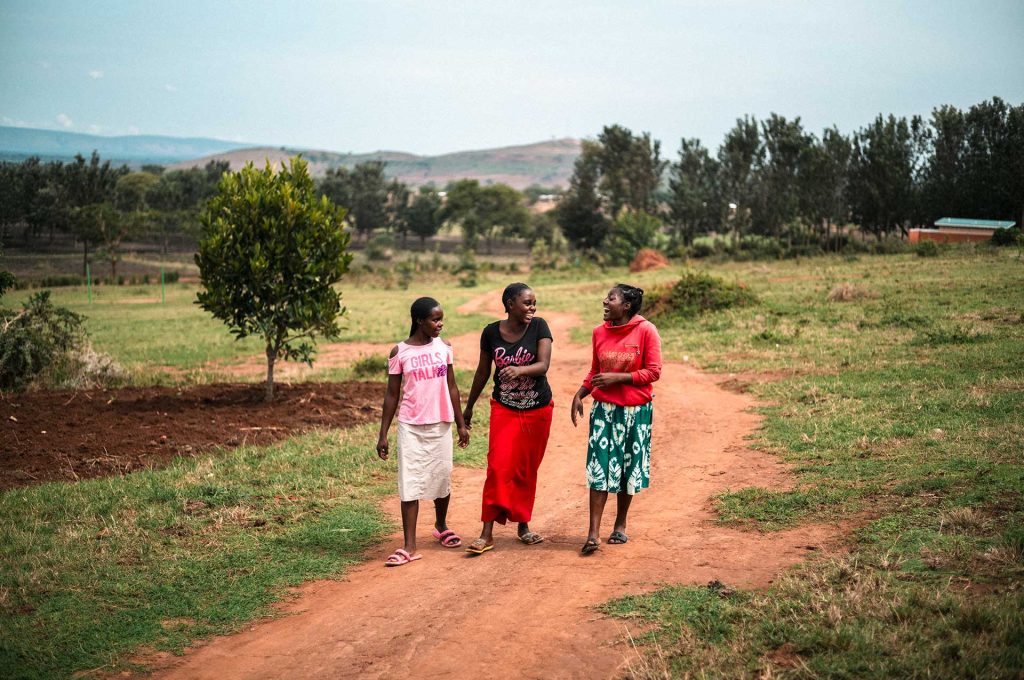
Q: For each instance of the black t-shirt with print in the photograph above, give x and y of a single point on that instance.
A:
(525, 393)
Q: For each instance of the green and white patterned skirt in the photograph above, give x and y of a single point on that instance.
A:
(619, 451)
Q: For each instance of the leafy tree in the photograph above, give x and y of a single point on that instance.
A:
(88, 186)
(106, 227)
(112, 223)
(694, 199)
(995, 160)
(631, 231)
(631, 169)
(167, 200)
(884, 174)
(423, 217)
(7, 279)
(502, 212)
(460, 206)
(397, 206)
(269, 257)
(784, 145)
(824, 175)
(485, 211)
(738, 157)
(945, 190)
(50, 208)
(580, 213)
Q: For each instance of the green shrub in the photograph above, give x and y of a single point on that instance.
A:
(60, 280)
(369, 367)
(632, 231)
(379, 247)
(36, 340)
(407, 272)
(697, 293)
(927, 249)
(7, 281)
(467, 268)
(543, 256)
(1006, 237)
(701, 250)
(890, 246)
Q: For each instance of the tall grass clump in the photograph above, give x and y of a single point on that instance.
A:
(697, 293)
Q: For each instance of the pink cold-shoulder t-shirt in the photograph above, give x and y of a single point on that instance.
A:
(424, 371)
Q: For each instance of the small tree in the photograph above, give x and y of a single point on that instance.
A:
(269, 256)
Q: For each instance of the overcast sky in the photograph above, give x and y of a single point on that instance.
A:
(434, 77)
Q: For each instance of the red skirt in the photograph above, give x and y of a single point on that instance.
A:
(515, 449)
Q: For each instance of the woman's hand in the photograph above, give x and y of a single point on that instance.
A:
(463, 437)
(609, 379)
(382, 447)
(576, 410)
(510, 373)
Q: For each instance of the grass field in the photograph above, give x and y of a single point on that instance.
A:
(900, 411)
(145, 334)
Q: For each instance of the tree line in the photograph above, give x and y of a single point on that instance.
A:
(772, 179)
(103, 206)
(769, 182)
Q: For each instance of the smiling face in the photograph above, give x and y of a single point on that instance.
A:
(522, 307)
(433, 324)
(616, 310)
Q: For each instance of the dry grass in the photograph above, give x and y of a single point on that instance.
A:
(850, 292)
(962, 520)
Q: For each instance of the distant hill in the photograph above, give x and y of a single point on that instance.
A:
(543, 163)
(19, 143)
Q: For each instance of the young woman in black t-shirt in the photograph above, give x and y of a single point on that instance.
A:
(519, 347)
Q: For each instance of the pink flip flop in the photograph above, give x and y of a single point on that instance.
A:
(400, 557)
(448, 538)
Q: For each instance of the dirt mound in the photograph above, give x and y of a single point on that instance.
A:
(647, 259)
(63, 435)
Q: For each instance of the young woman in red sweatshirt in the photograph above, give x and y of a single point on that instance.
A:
(626, 361)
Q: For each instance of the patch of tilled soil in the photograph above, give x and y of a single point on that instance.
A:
(64, 435)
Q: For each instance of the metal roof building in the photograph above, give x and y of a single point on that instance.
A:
(958, 229)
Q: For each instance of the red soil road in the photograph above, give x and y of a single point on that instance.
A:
(530, 612)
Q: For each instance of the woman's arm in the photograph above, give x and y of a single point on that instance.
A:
(650, 370)
(390, 407)
(534, 370)
(460, 422)
(483, 371)
(576, 410)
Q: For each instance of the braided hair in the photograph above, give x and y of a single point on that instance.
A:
(420, 310)
(511, 292)
(632, 295)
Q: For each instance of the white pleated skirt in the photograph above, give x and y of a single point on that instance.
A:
(424, 461)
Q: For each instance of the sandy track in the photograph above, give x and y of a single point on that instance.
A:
(529, 612)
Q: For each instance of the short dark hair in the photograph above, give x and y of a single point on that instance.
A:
(633, 295)
(420, 310)
(511, 292)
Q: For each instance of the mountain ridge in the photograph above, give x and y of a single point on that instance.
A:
(62, 145)
(543, 163)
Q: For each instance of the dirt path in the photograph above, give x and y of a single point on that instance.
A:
(529, 612)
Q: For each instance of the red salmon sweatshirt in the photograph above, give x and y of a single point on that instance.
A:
(635, 348)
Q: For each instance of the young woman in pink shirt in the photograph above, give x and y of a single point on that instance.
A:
(626, 361)
(421, 369)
